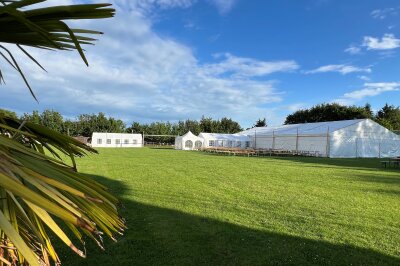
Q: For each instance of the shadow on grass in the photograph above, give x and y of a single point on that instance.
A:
(159, 236)
(343, 163)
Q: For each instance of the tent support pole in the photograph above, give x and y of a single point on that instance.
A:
(327, 143)
(273, 139)
(297, 142)
(379, 149)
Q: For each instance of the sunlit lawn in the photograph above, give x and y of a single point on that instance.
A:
(191, 208)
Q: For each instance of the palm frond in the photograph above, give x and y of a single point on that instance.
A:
(45, 28)
(36, 185)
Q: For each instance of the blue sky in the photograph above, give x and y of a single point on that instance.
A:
(179, 59)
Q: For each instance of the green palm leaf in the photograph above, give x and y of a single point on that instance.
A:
(38, 175)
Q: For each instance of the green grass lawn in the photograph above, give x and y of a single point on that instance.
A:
(191, 208)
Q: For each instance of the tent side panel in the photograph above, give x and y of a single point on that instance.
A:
(390, 148)
(313, 144)
(285, 143)
(262, 142)
(343, 147)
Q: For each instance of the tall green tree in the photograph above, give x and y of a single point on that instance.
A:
(261, 123)
(389, 116)
(328, 112)
(35, 184)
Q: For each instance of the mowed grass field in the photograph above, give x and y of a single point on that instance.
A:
(192, 208)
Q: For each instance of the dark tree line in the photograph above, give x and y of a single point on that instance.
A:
(86, 124)
(388, 116)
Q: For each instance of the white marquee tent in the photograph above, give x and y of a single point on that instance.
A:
(225, 140)
(117, 140)
(337, 139)
(189, 141)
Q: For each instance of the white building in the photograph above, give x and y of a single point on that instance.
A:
(338, 139)
(117, 140)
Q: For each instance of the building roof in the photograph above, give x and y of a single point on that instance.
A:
(318, 128)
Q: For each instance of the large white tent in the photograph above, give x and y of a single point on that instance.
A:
(117, 140)
(189, 141)
(225, 140)
(338, 139)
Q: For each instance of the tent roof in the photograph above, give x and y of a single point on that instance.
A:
(220, 136)
(189, 134)
(303, 129)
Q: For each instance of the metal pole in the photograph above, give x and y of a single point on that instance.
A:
(356, 147)
(255, 138)
(327, 143)
(297, 142)
(273, 139)
(379, 149)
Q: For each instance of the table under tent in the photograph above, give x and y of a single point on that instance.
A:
(189, 141)
(361, 138)
(220, 140)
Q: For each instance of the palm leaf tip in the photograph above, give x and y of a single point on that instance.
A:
(44, 28)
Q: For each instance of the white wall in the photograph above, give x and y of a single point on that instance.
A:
(110, 140)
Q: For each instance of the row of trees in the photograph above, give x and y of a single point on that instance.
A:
(86, 124)
(388, 116)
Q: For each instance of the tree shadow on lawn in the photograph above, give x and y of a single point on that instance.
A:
(343, 163)
(160, 236)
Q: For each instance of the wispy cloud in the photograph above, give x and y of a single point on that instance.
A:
(353, 49)
(385, 12)
(137, 74)
(369, 90)
(224, 6)
(342, 69)
(248, 67)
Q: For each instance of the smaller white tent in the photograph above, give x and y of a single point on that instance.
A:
(226, 140)
(189, 141)
(117, 140)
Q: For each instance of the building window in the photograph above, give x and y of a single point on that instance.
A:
(126, 141)
(211, 143)
(108, 141)
(134, 141)
(117, 141)
(238, 144)
(230, 143)
(247, 144)
(99, 141)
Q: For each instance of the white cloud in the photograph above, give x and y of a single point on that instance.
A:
(387, 42)
(365, 78)
(384, 12)
(136, 74)
(353, 49)
(342, 69)
(224, 6)
(248, 67)
(369, 90)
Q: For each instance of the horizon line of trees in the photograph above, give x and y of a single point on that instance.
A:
(388, 116)
(85, 124)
